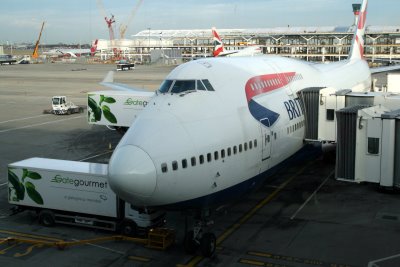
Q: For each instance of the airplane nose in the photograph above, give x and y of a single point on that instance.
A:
(132, 174)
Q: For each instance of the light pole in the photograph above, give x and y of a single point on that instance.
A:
(149, 37)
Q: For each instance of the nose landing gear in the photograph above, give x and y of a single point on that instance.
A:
(200, 238)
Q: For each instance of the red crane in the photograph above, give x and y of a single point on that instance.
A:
(109, 25)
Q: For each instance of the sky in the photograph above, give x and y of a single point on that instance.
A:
(81, 21)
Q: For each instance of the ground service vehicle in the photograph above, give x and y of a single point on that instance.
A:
(75, 193)
(125, 66)
(60, 106)
(116, 108)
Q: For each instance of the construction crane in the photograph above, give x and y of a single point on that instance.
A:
(124, 27)
(35, 53)
(110, 22)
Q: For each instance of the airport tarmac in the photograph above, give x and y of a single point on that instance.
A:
(301, 216)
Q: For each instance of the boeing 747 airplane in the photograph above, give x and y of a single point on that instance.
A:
(217, 126)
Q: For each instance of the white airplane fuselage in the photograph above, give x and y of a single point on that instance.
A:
(199, 147)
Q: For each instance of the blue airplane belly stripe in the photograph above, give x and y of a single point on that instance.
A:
(265, 116)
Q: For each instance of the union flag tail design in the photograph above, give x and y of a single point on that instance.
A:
(218, 45)
(357, 46)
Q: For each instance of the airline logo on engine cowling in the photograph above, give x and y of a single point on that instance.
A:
(264, 84)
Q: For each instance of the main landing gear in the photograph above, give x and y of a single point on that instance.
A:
(200, 238)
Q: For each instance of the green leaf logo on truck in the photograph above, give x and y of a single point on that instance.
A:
(21, 186)
(95, 111)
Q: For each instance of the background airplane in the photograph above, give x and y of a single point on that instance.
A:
(73, 52)
(219, 50)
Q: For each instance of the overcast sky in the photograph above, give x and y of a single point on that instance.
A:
(80, 21)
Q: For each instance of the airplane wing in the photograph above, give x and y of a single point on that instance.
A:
(108, 81)
(385, 69)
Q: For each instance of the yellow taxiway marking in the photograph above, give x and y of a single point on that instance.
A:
(195, 260)
(294, 260)
(28, 251)
(137, 258)
(31, 236)
(2, 252)
(251, 262)
(260, 263)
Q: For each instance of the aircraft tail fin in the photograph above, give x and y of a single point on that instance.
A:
(94, 48)
(218, 45)
(357, 46)
(109, 77)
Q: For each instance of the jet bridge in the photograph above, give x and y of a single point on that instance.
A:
(365, 128)
(368, 145)
(321, 104)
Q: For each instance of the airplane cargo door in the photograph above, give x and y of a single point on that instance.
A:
(266, 144)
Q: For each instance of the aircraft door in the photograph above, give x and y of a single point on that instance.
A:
(266, 144)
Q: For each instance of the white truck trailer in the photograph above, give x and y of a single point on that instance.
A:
(75, 193)
(117, 109)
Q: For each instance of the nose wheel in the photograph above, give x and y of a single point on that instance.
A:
(200, 239)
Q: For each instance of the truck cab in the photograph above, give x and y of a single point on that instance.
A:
(60, 106)
(139, 220)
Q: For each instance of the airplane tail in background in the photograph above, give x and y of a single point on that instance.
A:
(357, 46)
(218, 45)
(94, 48)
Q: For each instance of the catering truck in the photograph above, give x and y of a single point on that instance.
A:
(75, 193)
(116, 109)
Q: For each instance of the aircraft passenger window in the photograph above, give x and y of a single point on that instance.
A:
(200, 85)
(216, 155)
(234, 150)
(229, 151)
(240, 148)
(275, 136)
(223, 153)
(174, 165)
(245, 146)
(166, 84)
(193, 161)
(182, 86)
(184, 163)
(255, 142)
(208, 157)
(164, 167)
(201, 159)
(250, 144)
(208, 85)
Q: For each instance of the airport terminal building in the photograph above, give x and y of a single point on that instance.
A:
(329, 43)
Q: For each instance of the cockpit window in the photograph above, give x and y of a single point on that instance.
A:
(180, 86)
(164, 88)
(208, 85)
(200, 86)
(183, 85)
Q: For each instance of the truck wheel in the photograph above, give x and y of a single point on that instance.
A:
(46, 218)
(69, 112)
(129, 228)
